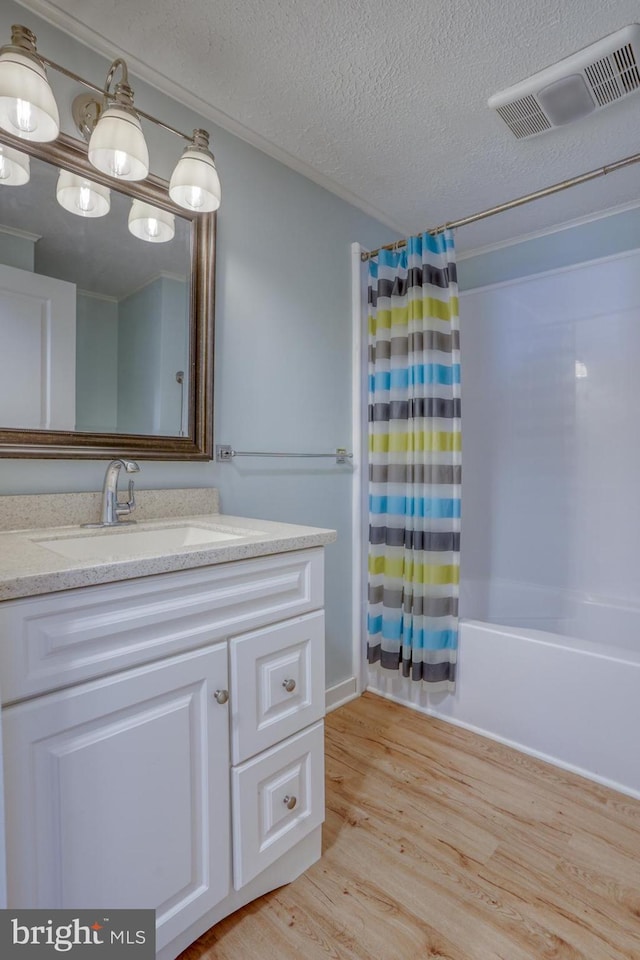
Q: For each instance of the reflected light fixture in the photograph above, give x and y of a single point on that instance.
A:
(27, 106)
(81, 196)
(151, 223)
(14, 167)
(111, 124)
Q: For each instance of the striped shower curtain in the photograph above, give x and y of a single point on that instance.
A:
(414, 460)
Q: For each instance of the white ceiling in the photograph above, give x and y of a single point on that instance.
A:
(385, 103)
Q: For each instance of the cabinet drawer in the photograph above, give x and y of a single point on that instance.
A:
(54, 641)
(277, 799)
(277, 683)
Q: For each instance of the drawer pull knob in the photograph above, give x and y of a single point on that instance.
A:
(221, 696)
(289, 685)
(290, 802)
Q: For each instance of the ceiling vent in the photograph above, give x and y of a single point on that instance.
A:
(593, 78)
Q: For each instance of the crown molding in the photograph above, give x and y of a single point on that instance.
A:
(94, 295)
(22, 234)
(161, 275)
(99, 44)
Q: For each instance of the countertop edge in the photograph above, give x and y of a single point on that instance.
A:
(48, 581)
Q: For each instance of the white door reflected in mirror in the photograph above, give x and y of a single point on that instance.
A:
(38, 372)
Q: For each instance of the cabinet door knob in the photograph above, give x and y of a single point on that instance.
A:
(289, 685)
(290, 802)
(221, 696)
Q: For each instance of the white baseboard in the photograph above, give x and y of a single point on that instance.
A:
(554, 761)
(341, 693)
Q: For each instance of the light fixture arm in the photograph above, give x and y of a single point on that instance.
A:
(123, 94)
(86, 110)
(122, 65)
(107, 95)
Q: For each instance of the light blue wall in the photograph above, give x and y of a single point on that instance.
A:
(152, 347)
(588, 241)
(139, 354)
(175, 347)
(283, 337)
(17, 251)
(96, 363)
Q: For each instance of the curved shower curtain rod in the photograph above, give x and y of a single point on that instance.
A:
(518, 202)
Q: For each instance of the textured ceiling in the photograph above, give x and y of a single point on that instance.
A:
(385, 103)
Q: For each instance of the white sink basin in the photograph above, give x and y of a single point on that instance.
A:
(125, 542)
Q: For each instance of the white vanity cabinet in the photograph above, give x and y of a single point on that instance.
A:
(163, 741)
(116, 792)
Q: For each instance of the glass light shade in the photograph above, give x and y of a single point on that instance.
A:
(117, 145)
(14, 167)
(81, 196)
(27, 106)
(151, 223)
(195, 184)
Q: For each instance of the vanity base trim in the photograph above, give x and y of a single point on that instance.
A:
(290, 866)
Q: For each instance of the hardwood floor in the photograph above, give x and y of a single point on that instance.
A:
(442, 844)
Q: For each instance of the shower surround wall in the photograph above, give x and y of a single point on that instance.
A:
(550, 570)
(551, 451)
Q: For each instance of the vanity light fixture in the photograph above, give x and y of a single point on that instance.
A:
(81, 196)
(194, 183)
(151, 223)
(14, 167)
(117, 146)
(27, 106)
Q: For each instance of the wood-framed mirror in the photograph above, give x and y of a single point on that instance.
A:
(106, 341)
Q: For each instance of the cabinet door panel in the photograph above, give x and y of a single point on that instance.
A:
(118, 793)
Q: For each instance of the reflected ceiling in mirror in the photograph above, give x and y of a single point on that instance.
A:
(98, 254)
(109, 336)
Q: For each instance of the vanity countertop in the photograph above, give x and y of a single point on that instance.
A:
(29, 567)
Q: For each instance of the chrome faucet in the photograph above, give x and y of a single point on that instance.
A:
(112, 508)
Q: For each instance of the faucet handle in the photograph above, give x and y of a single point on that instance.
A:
(129, 505)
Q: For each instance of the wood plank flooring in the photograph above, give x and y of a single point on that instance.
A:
(442, 844)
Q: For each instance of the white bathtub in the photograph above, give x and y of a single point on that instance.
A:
(572, 702)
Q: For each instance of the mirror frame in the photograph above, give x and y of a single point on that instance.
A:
(71, 154)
